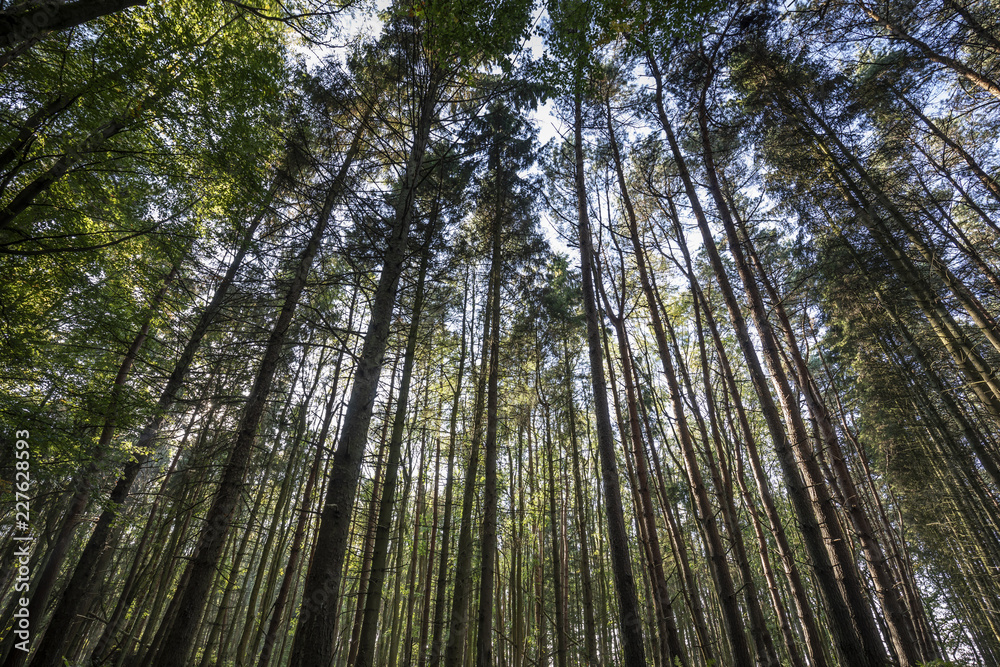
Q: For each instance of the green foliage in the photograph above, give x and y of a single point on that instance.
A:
(463, 33)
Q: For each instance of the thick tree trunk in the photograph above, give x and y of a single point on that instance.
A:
(314, 638)
(31, 19)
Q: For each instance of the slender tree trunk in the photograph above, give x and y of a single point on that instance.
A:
(989, 183)
(414, 557)
(484, 639)
(380, 553)
(442, 583)
(807, 622)
(26, 135)
(46, 579)
(589, 621)
(840, 556)
(220, 515)
(956, 66)
(425, 613)
(900, 624)
(670, 648)
(716, 550)
(94, 141)
(371, 525)
(722, 481)
(629, 613)
(556, 551)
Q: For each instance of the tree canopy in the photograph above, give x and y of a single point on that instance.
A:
(450, 332)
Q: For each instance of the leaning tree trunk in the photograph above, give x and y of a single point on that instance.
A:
(380, 552)
(46, 579)
(902, 630)
(629, 611)
(183, 631)
(872, 651)
(34, 19)
(314, 640)
(305, 509)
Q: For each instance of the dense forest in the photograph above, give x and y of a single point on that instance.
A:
(315, 354)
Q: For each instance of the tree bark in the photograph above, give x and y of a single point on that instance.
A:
(487, 577)
(220, 515)
(380, 553)
(36, 18)
(314, 638)
(629, 612)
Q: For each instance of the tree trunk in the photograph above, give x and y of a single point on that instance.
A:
(629, 612)
(589, 622)
(380, 553)
(36, 18)
(220, 515)
(442, 583)
(314, 638)
(484, 639)
(901, 628)
(556, 551)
